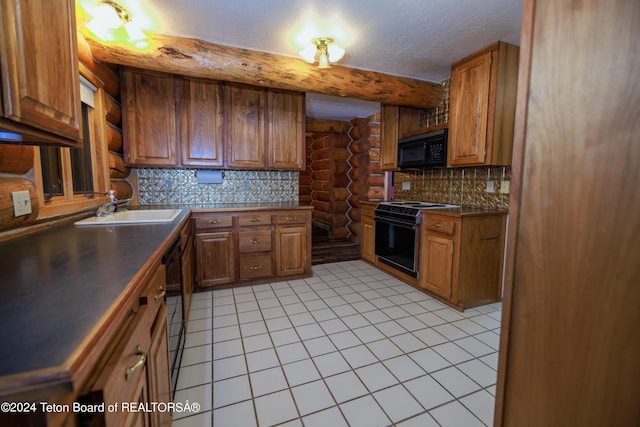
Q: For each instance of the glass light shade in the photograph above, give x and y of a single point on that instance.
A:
(104, 21)
(134, 32)
(309, 53)
(323, 61)
(335, 52)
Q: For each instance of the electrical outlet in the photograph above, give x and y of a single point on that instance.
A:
(505, 186)
(491, 188)
(21, 203)
(406, 185)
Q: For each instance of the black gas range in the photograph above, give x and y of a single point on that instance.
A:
(397, 233)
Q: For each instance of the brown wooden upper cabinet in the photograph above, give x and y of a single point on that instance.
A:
(39, 70)
(201, 123)
(482, 107)
(245, 114)
(286, 147)
(265, 128)
(173, 121)
(395, 121)
(149, 119)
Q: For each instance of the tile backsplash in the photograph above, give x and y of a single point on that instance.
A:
(179, 186)
(459, 186)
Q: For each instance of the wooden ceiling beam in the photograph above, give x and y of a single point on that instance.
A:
(200, 59)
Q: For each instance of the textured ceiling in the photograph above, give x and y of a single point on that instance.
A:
(413, 38)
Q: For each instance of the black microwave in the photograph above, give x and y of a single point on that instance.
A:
(424, 150)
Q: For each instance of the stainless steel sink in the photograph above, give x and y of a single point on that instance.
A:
(132, 217)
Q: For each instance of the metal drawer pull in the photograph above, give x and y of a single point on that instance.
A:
(214, 221)
(139, 363)
(291, 218)
(437, 225)
(255, 241)
(256, 267)
(161, 294)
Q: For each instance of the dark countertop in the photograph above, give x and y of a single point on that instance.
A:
(56, 285)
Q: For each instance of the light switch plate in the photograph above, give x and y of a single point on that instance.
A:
(491, 188)
(406, 185)
(505, 186)
(21, 203)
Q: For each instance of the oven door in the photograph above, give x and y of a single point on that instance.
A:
(397, 244)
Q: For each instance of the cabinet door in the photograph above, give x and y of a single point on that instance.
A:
(158, 369)
(215, 253)
(469, 111)
(149, 119)
(40, 78)
(246, 135)
(389, 116)
(291, 251)
(367, 242)
(286, 130)
(188, 277)
(438, 253)
(201, 123)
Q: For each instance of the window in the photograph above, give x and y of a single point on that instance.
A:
(71, 179)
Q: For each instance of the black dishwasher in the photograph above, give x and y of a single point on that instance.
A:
(174, 308)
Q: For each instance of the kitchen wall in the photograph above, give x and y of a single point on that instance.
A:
(458, 186)
(179, 186)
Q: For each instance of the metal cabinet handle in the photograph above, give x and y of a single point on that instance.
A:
(256, 267)
(291, 218)
(255, 241)
(254, 220)
(162, 292)
(139, 363)
(214, 221)
(437, 225)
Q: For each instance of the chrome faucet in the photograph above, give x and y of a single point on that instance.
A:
(106, 209)
(109, 208)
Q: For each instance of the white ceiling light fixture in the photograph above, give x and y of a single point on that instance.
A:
(108, 19)
(324, 51)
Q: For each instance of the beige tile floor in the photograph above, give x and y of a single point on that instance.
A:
(350, 346)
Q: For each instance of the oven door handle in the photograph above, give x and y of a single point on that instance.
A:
(395, 222)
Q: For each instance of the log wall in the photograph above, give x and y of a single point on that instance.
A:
(360, 171)
(119, 174)
(17, 161)
(326, 180)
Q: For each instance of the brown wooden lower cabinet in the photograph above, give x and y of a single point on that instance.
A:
(291, 258)
(137, 370)
(367, 232)
(251, 246)
(216, 259)
(158, 367)
(461, 256)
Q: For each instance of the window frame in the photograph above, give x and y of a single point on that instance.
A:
(70, 202)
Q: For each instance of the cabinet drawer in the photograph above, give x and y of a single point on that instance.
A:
(254, 219)
(255, 265)
(254, 241)
(125, 371)
(291, 218)
(440, 224)
(213, 221)
(154, 295)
